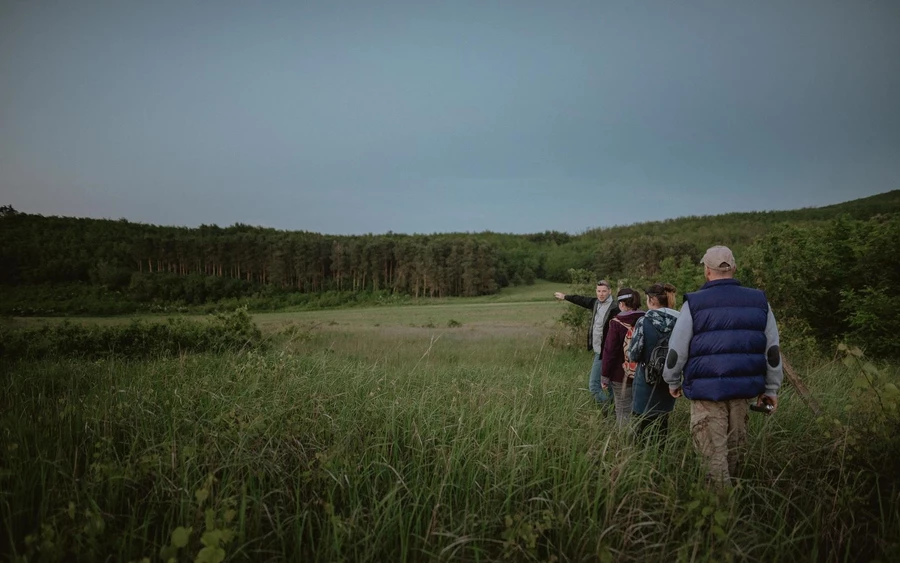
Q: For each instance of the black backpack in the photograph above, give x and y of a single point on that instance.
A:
(654, 367)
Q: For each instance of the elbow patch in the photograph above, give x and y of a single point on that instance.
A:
(671, 359)
(773, 356)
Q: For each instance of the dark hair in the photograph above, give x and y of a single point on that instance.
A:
(633, 302)
(604, 282)
(664, 293)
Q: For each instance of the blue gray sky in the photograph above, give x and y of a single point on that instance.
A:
(512, 116)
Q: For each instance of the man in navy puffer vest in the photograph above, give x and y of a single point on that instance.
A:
(726, 341)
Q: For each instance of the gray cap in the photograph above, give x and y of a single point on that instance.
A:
(719, 258)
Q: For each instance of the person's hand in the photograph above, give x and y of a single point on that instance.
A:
(767, 400)
(675, 392)
(604, 383)
(559, 295)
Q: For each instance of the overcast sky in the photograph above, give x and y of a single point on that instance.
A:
(520, 116)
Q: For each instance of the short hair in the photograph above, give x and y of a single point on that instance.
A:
(604, 282)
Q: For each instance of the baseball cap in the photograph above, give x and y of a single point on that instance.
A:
(719, 258)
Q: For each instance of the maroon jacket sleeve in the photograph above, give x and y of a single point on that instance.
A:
(612, 349)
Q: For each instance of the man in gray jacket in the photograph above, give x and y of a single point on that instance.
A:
(603, 309)
(726, 342)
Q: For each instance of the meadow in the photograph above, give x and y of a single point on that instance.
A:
(456, 431)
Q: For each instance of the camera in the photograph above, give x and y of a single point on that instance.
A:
(763, 408)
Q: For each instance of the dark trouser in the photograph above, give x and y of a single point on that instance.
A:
(653, 427)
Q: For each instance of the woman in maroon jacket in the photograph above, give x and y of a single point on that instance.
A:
(629, 301)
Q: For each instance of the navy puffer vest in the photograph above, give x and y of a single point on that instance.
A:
(727, 357)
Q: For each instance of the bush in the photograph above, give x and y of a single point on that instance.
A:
(222, 332)
(874, 320)
(839, 278)
(575, 319)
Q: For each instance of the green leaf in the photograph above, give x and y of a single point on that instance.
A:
(230, 514)
(869, 367)
(227, 536)
(720, 517)
(210, 519)
(212, 538)
(180, 536)
(210, 555)
(168, 552)
(201, 495)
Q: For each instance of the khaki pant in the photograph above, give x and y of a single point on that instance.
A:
(622, 395)
(719, 431)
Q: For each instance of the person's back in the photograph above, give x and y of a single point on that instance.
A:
(652, 402)
(726, 342)
(614, 360)
(728, 347)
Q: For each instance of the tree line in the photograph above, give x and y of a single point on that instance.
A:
(209, 263)
(117, 254)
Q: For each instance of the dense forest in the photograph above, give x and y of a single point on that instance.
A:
(832, 270)
(118, 254)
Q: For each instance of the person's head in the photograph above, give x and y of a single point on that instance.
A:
(660, 295)
(628, 299)
(603, 290)
(718, 263)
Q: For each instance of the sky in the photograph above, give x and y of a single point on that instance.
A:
(347, 117)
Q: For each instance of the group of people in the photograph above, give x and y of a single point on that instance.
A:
(719, 351)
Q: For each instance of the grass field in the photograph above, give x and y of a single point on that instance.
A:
(524, 306)
(384, 434)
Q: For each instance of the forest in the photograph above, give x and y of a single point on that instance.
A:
(829, 270)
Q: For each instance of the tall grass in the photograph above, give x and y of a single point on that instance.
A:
(375, 448)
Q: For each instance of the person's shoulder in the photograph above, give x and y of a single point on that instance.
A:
(756, 293)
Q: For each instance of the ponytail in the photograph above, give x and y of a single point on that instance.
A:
(670, 295)
(664, 293)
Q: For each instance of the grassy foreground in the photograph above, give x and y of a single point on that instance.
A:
(351, 441)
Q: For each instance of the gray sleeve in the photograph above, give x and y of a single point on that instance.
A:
(774, 367)
(679, 345)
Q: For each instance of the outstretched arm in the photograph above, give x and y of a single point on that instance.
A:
(580, 300)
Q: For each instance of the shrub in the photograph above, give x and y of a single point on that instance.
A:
(223, 331)
(575, 319)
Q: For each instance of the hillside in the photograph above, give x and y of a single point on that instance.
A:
(151, 263)
(742, 228)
